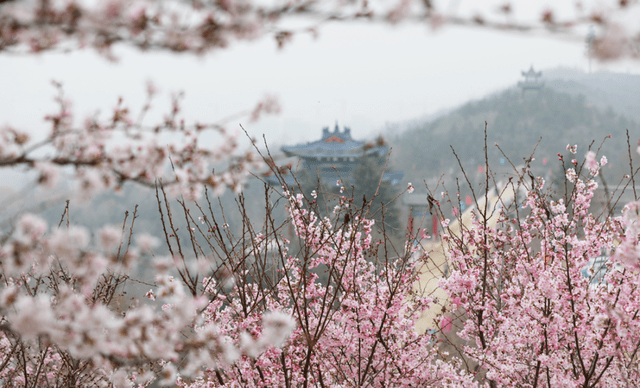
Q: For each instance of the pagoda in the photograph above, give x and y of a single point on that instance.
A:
(336, 155)
(531, 82)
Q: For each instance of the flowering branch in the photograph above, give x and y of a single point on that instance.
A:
(202, 26)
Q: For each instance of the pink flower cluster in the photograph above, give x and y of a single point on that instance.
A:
(106, 153)
(52, 294)
(551, 299)
(355, 329)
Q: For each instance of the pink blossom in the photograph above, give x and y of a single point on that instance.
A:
(168, 375)
(49, 174)
(65, 243)
(109, 237)
(150, 295)
(277, 327)
(445, 324)
(32, 316)
(612, 44)
(30, 229)
(147, 242)
(592, 163)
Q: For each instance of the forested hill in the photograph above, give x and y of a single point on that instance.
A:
(516, 124)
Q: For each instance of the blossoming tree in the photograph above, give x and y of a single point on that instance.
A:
(354, 329)
(549, 297)
(251, 311)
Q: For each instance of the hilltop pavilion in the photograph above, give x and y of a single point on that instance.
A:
(531, 82)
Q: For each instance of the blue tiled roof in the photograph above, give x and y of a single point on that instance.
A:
(331, 144)
(335, 156)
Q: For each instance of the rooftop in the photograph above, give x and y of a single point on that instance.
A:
(331, 143)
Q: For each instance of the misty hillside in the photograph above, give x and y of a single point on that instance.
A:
(516, 123)
(574, 107)
(604, 89)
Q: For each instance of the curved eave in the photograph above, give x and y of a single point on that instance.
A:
(335, 152)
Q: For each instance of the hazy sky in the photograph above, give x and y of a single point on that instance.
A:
(361, 75)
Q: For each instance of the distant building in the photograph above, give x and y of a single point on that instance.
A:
(336, 155)
(531, 82)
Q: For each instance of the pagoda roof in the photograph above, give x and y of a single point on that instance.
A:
(332, 143)
(531, 81)
(532, 73)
